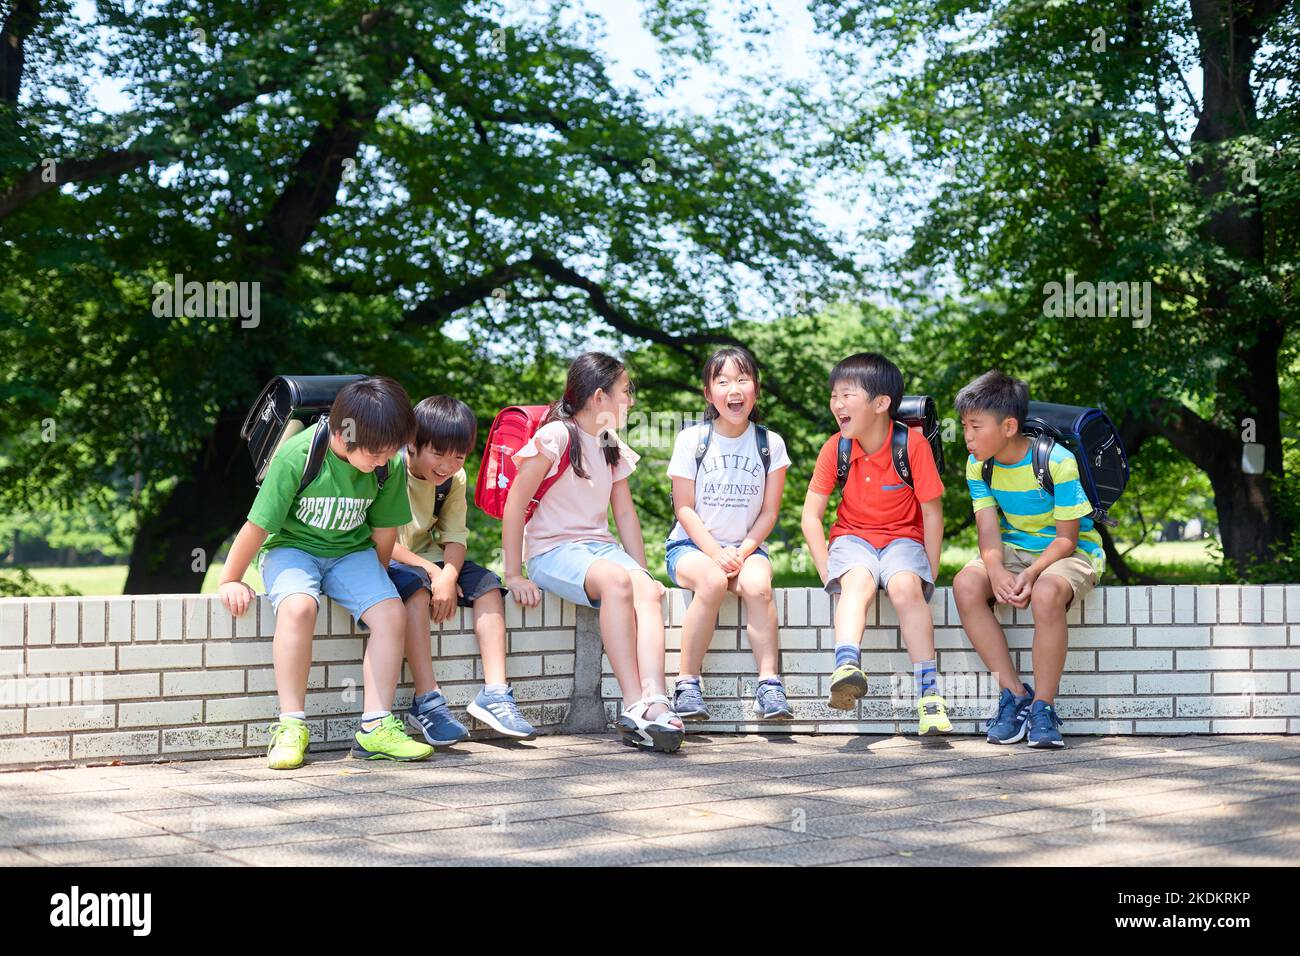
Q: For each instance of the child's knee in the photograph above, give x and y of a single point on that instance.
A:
(712, 584)
(490, 601)
(754, 587)
(1051, 595)
(969, 586)
(905, 590)
(296, 609)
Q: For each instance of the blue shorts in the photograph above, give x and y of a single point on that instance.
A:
(676, 548)
(355, 581)
(563, 570)
(474, 580)
(902, 554)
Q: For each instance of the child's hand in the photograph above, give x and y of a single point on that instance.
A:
(659, 586)
(236, 596)
(1024, 587)
(730, 561)
(442, 604)
(1004, 584)
(524, 592)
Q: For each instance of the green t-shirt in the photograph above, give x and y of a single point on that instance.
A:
(336, 513)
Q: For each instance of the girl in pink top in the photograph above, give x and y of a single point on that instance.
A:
(568, 547)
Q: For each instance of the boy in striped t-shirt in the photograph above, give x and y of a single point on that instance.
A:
(1036, 550)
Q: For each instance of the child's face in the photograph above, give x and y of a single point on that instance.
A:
(362, 459)
(437, 466)
(612, 406)
(986, 434)
(854, 409)
(732, 393)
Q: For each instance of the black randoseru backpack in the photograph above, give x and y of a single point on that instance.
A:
(287, 405)
(1089, 435)
(914, 411)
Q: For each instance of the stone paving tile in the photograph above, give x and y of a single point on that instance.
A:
(253, 791)
(180, 860)
(423, 821)
(333, 852)
(10, 856)
(108, 850)
(334, 806)
(730, 839)
(620, 853)
(77, 824)
(488, 839)
(536, 810)
(1278, 849)
(650, 799)
(117, 801)
(498, 791)
(280, 833)
(378, 781)
(213, 817)
(814, 853)
(663, 821)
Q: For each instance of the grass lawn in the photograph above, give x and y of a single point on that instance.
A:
(1174, 562)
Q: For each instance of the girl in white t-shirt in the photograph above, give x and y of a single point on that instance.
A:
(569, 550)
(726, 506)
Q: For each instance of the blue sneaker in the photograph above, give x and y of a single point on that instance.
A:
(688, 701)
(501, 713)
(1042, 726)
(1012, 720)
(770, 702)
(432, 718)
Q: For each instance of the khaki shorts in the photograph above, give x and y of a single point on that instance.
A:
(1076, 569)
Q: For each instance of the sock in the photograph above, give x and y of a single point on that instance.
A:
(847, 654)
(688, 680)
(373, 717)
(771, 680)
(496, 689)
(927, 677)
(295, 714)
(1029, 692)
(422, 699)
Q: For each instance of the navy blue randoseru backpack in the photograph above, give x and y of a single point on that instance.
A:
(1089, 435)
(914, 411)
(287, 405)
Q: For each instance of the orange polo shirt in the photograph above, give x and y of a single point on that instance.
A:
(876, 504)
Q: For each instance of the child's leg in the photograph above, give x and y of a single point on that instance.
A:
(611, 585)
(857, 591)
(972, 592)
(381, 667)
(419, 642)
(697, 572)
(649, 638)
(907, 594)
(295, 621)
(490, 630)
(1048, 602)
(754, 585)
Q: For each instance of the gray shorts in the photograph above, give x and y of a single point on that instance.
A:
(902, 554)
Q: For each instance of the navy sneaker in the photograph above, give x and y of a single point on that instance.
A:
(432, 718)
(688, 701)
(1011, 722)
(501, 713)
(770, 702)
(1042, 726)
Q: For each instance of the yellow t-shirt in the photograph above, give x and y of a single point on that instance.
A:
(425, 534)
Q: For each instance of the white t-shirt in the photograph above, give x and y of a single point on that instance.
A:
(729, 488)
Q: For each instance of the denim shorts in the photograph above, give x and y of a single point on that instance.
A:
(474, 580)
(902, 554)
(563, 570)
(674, 549)
(355, 581)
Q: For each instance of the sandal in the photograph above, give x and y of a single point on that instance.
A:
(657, 734)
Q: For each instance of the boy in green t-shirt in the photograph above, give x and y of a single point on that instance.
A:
(333, 537)
(433, 576)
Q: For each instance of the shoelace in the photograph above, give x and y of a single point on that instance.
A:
(1047, 715)
(766, 693)
(1005, 708)
(506, 707)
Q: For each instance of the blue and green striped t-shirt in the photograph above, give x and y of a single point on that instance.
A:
(1027, 514)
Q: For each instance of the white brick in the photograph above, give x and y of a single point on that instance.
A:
(136, 744)
(40, 623)
(886, 613)
(120, 624)
(552, 612)
(676, 608)
(1116, 605)
(220, 621)
(1123, 707)
(1265, 706)
(1216, 660)
(1229, 604)
(1135, 660)
(226, 709)
(146, 620)
(1173, 683)
(42, 720)
(11, 662)
(514, 614)
(334, 702)
(1267, 725)
(1247, 682)
(1154, 635)
(803, 638)
(1274, 611)
(1207, 605)
(886, 638)
(457, 645)
(1252, 610)
(1101, 637)
(1098, 684)
(184, 739)
(1235, 706)
(67, 620)
(1293, 603)
(796, 607)
(1288, 660)
(220, 653)
(128, 686)
(729, 612)
(516, 666)
(336, 648)
(171, 618)
(40, 691)
(196, 618)
(340, 621)
(345, 675)
(12, 615)
(937, 607)
(15, 750)
(68, 660)
(141, 657)
(154, 713)
(1076, 708)
(262, 679)
(1249, 635)
(249, 623)
(1094, 608)
(94, 621)
(819, 608)
(796, 662)
(542, 641)
(1138, 606)
(11, 722)
(1075, 661)
(202, 683)
(1185, 598)
(1162, 605)
(556, 688)
(1098, 727)
(1171, 727)
(558, 664)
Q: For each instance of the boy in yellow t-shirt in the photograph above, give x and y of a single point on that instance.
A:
(433, 576)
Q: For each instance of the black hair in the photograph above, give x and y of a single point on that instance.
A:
(874, 374)
(747, 364)
(588, 372)
(376, 412)
(995, 392)
(446, 424)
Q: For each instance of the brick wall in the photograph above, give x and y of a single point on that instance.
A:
(138, 678)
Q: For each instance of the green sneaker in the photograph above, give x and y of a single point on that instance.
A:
(288, 744)
(933, 712)
(848, 683)
(389, 741)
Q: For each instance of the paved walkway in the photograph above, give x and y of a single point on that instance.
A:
(824, 800)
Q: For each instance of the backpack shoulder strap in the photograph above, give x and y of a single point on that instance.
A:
(1041, 461)
(702, 445)
(842, 455)
(440, 495)
(898, 446)
(764, 451)
(986, 472)
(320, 443)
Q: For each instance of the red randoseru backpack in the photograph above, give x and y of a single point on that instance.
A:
(511, 430)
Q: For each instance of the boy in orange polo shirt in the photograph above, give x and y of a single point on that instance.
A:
(887, 531)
